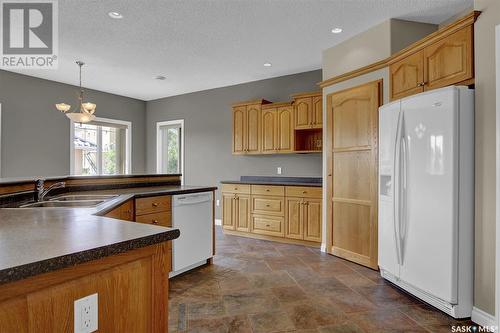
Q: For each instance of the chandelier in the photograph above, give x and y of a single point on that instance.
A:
(86, 112)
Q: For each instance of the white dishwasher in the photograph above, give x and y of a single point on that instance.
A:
(192, 214)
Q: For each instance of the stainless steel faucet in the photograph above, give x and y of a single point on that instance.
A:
(41, 191)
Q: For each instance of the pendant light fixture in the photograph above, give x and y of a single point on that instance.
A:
(86, 112)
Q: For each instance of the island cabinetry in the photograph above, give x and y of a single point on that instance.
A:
(154, 210)
(132, 289)
(123, 212)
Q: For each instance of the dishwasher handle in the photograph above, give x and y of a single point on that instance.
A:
(184, 200)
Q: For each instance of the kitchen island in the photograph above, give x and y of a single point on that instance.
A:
(51, 257)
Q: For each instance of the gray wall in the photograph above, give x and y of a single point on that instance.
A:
(208, 131)
(35, 136)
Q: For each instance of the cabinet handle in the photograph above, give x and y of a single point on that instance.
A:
(304, 192)
(268, 190)
(421, 84)
(155, 204)
(155, 221)
(267, 225)
(268, 206)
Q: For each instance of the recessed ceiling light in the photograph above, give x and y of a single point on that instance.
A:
(336, 30)
(160, 77)
(267, 64)
(115, 15)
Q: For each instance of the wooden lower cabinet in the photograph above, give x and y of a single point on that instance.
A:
(123, 212)
(132, 290)
(236, 212)
(303, 219)
(268, 211)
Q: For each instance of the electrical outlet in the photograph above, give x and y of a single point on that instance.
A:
(86, 314)
(278, 170)
(217, 202)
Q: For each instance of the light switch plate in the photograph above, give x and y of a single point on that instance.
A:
(217, 202)
(86, 314)
(278, 170)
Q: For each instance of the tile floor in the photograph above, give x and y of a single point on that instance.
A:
(260, 286)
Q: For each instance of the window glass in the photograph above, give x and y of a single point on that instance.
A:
(99, 149)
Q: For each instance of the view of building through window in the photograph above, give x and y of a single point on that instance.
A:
(99, 149)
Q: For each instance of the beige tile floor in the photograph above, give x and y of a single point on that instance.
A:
(260, 286)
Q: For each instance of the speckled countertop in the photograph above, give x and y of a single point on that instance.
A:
(40, 240)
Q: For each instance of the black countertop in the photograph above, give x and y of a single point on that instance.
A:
(269, 180)
(39, 240)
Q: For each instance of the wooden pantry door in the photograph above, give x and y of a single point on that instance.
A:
(352, 150)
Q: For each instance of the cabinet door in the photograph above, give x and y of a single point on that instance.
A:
(242, 213)
(285, 129)
(293, 219)
(317, 108)
(352, 188)
(253, 129)
(269, 131)
(239, 129)
(303, 112)
(312, 220)
(449, 60)
(228, 211)
(407, 76)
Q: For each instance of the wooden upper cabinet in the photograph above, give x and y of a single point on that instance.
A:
(407, 76)
(269, 130)
(239, 129)
(285, 129)
(303, 113)
(444, 58)
(317, 103)
(449, 60)
(247, 127)
(253, 129)
(308, 109)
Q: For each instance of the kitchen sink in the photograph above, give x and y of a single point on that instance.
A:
(79, 197)
(62, 204)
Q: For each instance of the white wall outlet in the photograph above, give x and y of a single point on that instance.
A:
(86, 314)
(278, 170)
(217, 202)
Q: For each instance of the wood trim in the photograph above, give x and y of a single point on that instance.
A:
(256, 101)
(327, 146)
(276, 105)
(357, 72)
(307, 94)
(271, 238)
(415, 47)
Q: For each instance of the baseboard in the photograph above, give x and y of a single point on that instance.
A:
(218, 222)
(323, 247)
(483, 318)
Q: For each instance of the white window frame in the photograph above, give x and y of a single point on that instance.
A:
(159, 157)
(128, 142)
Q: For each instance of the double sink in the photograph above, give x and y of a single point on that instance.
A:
(80, 200)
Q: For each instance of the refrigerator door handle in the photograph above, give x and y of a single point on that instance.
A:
(404, 220)
(397, 188)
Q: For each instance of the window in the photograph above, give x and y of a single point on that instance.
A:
(101, 147)
(170, 146)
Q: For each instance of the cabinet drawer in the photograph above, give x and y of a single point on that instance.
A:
(268, 205)
(268, 190)
(153, 204)
(162, 218)
(268, 225)
(304, 192)
(236, 188)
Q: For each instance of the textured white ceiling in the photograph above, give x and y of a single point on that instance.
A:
(203, 44)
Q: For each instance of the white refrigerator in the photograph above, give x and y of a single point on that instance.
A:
(426, 197)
